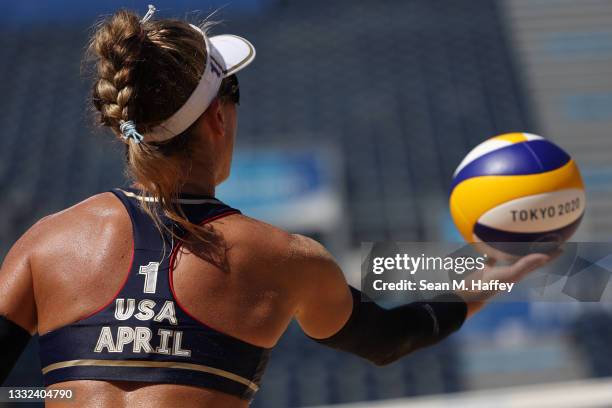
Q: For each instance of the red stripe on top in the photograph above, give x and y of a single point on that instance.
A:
(171, 274)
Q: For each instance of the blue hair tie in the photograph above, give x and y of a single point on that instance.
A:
(128, 131)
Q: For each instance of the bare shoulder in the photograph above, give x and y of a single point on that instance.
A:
(45, 248)
(98, 206)
(94, 215)
(302, 262)
(263, 238)
(306, 249)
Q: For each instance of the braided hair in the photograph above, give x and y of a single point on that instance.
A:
(144, 72)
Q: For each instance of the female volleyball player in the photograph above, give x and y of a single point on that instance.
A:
(161, 294)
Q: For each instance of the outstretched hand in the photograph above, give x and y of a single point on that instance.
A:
(506, 274)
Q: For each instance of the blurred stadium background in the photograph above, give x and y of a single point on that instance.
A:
(353, 118)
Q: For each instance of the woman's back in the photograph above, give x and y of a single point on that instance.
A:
(81, 257)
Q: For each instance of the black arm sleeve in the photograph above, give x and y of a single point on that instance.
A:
(385, 335)
(13, 339)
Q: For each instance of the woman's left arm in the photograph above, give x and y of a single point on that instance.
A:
(17, 305)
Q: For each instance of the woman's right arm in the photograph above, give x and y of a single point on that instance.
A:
(341, 317)
(324, 298)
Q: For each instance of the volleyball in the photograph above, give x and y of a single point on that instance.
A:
(517, 187)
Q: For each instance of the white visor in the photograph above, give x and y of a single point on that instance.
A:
(226, 55)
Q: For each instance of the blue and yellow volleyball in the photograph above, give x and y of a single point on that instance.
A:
(517, 187)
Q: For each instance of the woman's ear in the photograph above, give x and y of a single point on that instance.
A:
(215, 117)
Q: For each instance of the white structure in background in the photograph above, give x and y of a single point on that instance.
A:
(576, 394)
(565, 51)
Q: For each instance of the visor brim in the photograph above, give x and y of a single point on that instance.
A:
(237, 52)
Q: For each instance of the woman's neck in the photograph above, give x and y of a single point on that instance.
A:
(198, 189)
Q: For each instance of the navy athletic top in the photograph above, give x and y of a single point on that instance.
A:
(143, 333)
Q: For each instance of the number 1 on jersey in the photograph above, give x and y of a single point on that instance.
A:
(150, 273)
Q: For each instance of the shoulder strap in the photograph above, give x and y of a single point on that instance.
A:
(197, 209)
(146, 235)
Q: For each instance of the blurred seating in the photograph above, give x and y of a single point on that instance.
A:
(305, 373)
(592, 334)
(404, 88)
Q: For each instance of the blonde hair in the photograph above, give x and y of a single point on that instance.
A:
(144, 72)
